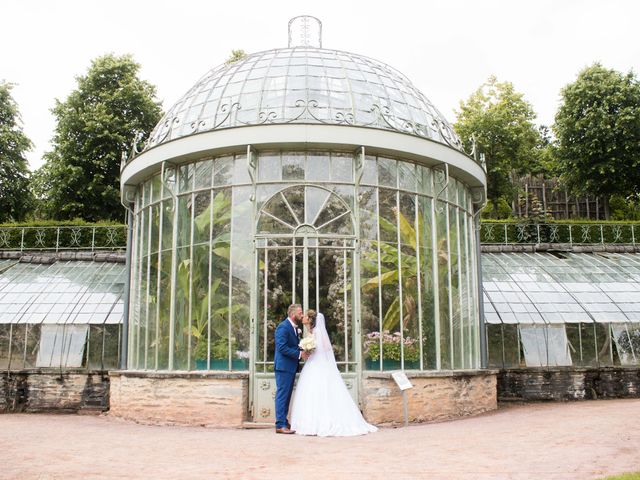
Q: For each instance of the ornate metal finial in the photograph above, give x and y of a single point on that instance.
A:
(305, 31)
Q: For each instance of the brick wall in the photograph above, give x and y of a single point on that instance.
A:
(180, 398)
(568, 383)
(434, 396)
(46, 391)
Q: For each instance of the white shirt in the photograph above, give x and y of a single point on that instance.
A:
(295, 329)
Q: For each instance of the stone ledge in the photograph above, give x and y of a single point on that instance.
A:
(432, 373)
(212, 374)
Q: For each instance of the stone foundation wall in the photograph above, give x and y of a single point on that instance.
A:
(434, 396)
(47, 391)
(533, 384)
(180, 398)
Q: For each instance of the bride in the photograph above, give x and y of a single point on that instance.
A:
(321, 404)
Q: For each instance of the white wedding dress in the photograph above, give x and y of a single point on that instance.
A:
(321, 403)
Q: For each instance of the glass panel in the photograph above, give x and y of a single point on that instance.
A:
(444, 287)
(241, 170)
(342, 167)
(269, 167)
(370, 307)
(164, 297)
(218, 287)
(187, 172)
(33, 344)
(604, 344)
(409, 273)
(241, 255)
(223, 171)
(96, 340)
(183, 301)
(427, 286)
(17, 346)
(293, 166)
(370, 171)
(387, 217)
(314, 201)
(368, 213)
(204, 174)
(534, 345)
(454, 265)
(318, 169)
(495, 346)
(62, 345)
(407, 176)
(5, 336)
(624, 346)
(557, 347)
(387, 174)
(111, 354)
(511, 346)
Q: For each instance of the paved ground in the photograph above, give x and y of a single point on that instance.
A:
(581, 440)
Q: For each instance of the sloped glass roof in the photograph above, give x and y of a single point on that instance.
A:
(304, 84)
(546, 288)
(71, 292)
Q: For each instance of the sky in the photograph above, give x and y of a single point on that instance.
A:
(446, 48)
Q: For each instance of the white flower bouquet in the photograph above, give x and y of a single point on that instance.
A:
(308, 344)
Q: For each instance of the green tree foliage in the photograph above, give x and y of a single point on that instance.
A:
(501, 121)
(15, 200)
(598, 132)
(110, 108)
(235, 56)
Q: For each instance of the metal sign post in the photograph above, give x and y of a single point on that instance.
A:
(403, 384)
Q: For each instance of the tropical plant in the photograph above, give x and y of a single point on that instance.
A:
(390, 347)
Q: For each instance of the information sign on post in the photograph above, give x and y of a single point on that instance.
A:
(404, 384)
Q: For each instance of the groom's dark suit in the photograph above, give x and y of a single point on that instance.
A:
(286, 362)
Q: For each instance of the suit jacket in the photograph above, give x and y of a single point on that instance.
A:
(287, 354)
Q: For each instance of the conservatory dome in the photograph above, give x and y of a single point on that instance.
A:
(308, 85)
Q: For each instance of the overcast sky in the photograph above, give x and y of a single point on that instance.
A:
(447, 48)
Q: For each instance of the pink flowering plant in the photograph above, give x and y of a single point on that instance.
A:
(390, 347)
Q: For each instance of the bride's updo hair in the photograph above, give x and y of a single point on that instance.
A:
(312, 318)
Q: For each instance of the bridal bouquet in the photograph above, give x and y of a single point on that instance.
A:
(308, 344)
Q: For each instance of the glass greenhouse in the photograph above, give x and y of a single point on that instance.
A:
(303, 175)
(65, 315)
(562, 309)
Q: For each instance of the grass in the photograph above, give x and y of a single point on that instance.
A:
(624, 476)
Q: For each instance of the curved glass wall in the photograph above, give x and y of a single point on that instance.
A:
(381, 246)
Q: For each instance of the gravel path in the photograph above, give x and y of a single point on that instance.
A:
(580, 440)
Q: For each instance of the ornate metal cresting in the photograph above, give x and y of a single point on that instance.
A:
(67, 237)
(305, 31)
(492, 232)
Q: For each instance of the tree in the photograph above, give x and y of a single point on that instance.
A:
(15, 200)
(110, 108)
(235, 56)
(501, 121)
(598, 132)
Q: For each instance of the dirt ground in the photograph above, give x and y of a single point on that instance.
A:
(580, 440)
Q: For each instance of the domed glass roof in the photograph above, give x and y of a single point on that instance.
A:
(304, 85)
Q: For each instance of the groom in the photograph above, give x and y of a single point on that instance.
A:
(288, 355)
